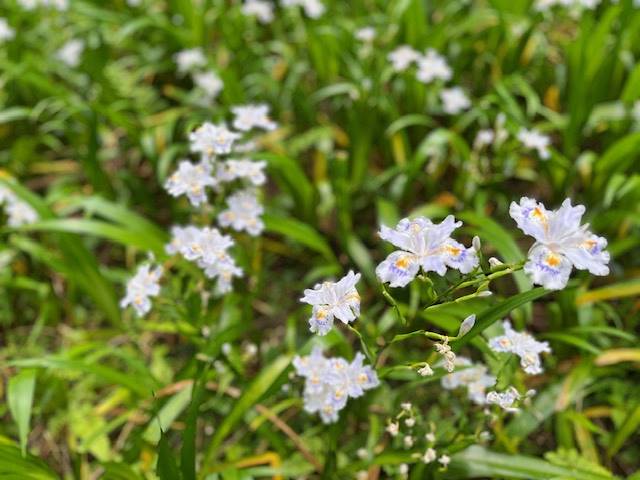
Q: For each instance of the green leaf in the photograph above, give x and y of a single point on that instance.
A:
(15, 466)
(299, 232)
(166, 467)
(20, 399)
(628, 427)
(250, 397)
(188, 451)
(491, 315)
(476, 462)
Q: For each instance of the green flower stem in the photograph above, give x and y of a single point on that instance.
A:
(394, 304)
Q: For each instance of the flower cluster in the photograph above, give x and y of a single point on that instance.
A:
(330, 382)
(208, 248)
(431, 67)
(18, 212)
(472, 376)
(561, 242)
(504, 400)
(423, 245)
(523, 345)
(140, 287)
(333, 300)
(193, 61)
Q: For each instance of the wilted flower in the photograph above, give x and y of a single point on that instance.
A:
(504, 400)
(523, 345)
(432, 66)
(561, 242)
(454, 100)
(242, 169)
(6, 32)
(191, 179)
(190, 59)
(448, 355)
(209, 83)
(535, 140)
(330, 382)
(261, 9)
(248, 117)
(340, 300)
(425, 371)
(393, 428)
(210, 139)
(472, 376)
(142, 286)
(71, 52)
(244, 213)
(425, 245)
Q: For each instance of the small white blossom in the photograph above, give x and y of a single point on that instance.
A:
(523, 345)
(430, 437)
(248, 117)
(393, 428)
(244, 213)
(494, 262)
(6, 32)
(403, 469)
(191, 179)
(410, 422)
(473, 376)
(330, 382)
(242, 169)
(454, 100)
(71, 52)
(429, 456)
(561, 242)
(210, 139)
(423, 244)
(407, 441)
(362, 453)
(20, 213)
(333, 300)
(425, 371)
(142, 286)
(433, 66)
(534, 140)
(366, 34)
(405, 406)
(261, 9)
(402, 57)
(190, 59)
(209, 83)
(504, 400)
(444, 460)
(484, 138)
(312, 8)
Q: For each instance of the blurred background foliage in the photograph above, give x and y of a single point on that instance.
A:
(96, 393)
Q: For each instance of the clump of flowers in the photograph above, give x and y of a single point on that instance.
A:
(472, 376)
(423, 245)
(454, 100)
(208, 248)
(330, 382)
(141, 287)
(523, 345)
(432, 66)
(333, 300)
(561, 242)
(244, 213)
(505, 400)
(191, 180)
(402, 57)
